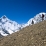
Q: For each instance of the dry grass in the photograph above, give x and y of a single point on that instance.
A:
(34, 35)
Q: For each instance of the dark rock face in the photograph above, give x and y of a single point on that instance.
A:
(4, 17)
(1, 36)
(5, 31)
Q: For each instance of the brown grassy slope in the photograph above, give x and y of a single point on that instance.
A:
(34, 35)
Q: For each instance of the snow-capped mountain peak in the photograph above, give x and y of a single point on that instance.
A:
(4, 16)
(37, 18)
(8, 26)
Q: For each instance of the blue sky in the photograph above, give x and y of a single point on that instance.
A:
(21, 10)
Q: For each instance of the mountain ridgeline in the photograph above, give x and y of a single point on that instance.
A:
(34, 35)
(8, 26)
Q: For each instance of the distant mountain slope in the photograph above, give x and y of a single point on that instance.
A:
(8, 26)
(37, 18)
(34, 35)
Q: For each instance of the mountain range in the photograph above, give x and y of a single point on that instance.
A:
(33, 35)
(8, 26)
